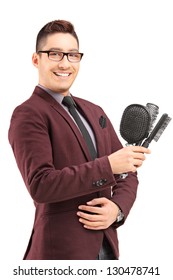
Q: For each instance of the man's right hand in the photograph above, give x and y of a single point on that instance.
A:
(127, 159)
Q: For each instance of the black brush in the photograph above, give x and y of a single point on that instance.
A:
(134, 126)
(135, 122)
(158, 130)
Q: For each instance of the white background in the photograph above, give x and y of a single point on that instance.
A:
(128, 47)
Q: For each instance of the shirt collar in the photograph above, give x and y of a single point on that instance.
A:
(57, 96)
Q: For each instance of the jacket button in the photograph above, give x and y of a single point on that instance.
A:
(100, 182)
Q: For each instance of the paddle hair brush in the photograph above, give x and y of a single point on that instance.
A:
(135, 123)
(134, 126)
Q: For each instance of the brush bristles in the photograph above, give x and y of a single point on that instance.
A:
(153, 111)
(162, 128)
(158, 130)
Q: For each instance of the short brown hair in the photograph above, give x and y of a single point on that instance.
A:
(56, 26)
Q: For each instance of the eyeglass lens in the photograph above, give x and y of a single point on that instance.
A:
(57, 56)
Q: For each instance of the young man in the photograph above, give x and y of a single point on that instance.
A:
(79, 195)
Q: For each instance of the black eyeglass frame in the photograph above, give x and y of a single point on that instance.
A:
(64, 54)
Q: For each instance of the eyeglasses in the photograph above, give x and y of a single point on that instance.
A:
(58, 56)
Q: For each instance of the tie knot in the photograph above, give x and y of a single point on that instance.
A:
(68, 101)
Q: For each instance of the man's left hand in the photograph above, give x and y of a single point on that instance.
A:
(101, 213)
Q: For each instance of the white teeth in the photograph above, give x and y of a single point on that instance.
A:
(62, 74)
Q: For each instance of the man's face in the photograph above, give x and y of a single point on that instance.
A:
(57, 76)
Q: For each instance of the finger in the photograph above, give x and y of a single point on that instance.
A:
(92, 225)
(133, 169)
(140, 156)
(89, 217)
(95, 228)
(97, 201)
(140, 149)
(90, 209)
(138, 163)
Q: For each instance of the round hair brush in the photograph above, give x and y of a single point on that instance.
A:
(154, 111)
(158, 130)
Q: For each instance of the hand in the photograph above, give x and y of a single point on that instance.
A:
(101, 213)
(127, 159)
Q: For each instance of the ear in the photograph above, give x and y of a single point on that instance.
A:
(35, 59)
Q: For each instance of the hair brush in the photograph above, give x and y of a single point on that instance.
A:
(158, 130)
(153, 111)
(135, 123)
(134, 126)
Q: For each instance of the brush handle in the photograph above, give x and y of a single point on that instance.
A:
(146, 143)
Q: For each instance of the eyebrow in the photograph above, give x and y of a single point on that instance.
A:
(61, 50)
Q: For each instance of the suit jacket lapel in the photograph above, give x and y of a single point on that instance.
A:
(60, 110)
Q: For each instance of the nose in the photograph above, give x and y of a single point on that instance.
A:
(64, 62)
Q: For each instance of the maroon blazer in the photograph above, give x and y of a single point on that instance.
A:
(59, 174)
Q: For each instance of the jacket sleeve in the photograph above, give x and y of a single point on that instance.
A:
(31, 144)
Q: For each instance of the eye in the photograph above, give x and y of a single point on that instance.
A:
(55, 54)
(74, 55)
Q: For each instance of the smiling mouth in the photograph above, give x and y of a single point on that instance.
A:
(62, 74)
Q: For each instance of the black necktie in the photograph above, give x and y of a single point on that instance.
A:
(68, 102)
